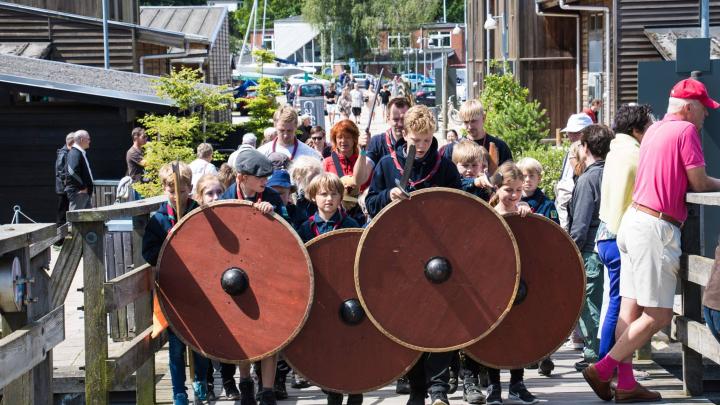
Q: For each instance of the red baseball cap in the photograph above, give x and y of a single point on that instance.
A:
(693, 90)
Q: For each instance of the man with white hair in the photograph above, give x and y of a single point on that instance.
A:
(249, 141)
(269, 135)
(79, 179)
(671, 162)
(202, 165)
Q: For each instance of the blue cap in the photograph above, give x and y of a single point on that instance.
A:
(279, 178)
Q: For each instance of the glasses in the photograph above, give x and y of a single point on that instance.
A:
(316, 138)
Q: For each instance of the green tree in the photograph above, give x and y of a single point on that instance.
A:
(511, 115)
(262, 57)
(261, 107)
(175, 135)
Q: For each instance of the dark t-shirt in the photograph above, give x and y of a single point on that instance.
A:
(133, 157)
(384, 96)
(330, 96)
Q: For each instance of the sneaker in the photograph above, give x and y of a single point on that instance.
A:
(519, 393)
(402, 386)
(453, 382)
(581, 365)
(211, 392)
(472, 394)
(247, 392)
(200, 390)
(439, 398)
(180, 399)
(546, 367)
(298, 382)
(231, 391)
(494, 395)
(416, 398)
(267, 397)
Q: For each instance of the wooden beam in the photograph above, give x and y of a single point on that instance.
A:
(134, 355)
(143, 312)
(23, 349)
(696, 269)
(39, 247)
(122, 210)
(703, 198)
(64, 271)
(17, 236)
(124, 290)
(697, 336)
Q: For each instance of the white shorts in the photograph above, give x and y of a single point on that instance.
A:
(650, 256)
(330, 108)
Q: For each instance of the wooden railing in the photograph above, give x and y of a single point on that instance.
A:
(30, 332)
(103, 296)
(695, 270)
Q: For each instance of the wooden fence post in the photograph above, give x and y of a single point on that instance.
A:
(96, 337)
(145, 376)
(692, 303)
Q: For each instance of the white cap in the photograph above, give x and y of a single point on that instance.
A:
(577, 122)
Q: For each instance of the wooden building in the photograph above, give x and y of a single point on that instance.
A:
(568, 52)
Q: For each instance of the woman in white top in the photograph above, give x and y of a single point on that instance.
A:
(202, 166)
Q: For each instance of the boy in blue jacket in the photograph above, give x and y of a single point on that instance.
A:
(326, 191)
(430, 168)
(471, 161)
(155, 232)
(539, 204)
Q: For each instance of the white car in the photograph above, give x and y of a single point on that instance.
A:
(360, 79)
(300, 78)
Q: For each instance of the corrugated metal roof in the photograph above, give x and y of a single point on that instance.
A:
(200, 21)
(26, 49)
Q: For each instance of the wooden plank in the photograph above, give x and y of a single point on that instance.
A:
(697, 336)
(127, 265)
(23, 349)
(110, 273)
(96, 342)
(38, 247)
(125, 289)
(703, 198)
(17, 236)
(692, 305)
(115, 211)
(41, 375)
(137, 351)
(142, 311)
(64, 270)
(696, 269)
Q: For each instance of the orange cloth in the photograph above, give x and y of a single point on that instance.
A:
(159, 321)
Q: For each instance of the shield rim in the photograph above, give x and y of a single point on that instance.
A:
(276, 217)
(458, 346)
(298, 371)
(579, 256)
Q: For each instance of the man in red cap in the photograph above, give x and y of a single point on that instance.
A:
(671, 162)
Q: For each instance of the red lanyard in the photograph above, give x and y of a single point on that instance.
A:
(424, 179)
(389, 139)
(314, 226)
(295, 148)
(242, 196)
(171, 211)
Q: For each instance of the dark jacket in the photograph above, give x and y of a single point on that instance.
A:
(504, 152)
(78, 173)
(268, 195)
(307, 232)
(305, 205)
(468, 185)
(385, 173)
(61, 170)
(294, 215)
(377, 147)
(156, 231)
(542, 205)
(584, 209)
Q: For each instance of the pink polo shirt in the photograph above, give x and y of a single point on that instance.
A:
(669, 148)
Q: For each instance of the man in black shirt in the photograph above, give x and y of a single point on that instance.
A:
(60, 175)
(134, 156)
(330, 102)
(384, 98)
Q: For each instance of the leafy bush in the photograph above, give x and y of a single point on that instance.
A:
(510, 114)
(551, 159)
(262, 107)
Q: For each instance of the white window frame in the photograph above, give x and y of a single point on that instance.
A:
(271, 39)
(436, 39)
(401, 41)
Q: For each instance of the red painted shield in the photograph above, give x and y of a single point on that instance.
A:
(327, 347)
(553, 271)
(255, 323)
(402, 301)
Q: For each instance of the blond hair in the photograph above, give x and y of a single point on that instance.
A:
(324, 181)
(303, 169)
(166, 175)
(506, 173)
(204, 183)
(419, 120)
(530, 165)
(467, 151)
(226, 174)
(470, 110)
(285, 114)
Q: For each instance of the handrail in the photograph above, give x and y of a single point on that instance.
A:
(703, 198)
(125, 289)
(115, 211)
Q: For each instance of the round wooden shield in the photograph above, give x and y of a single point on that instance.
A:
(552, 270)
(401, 251)
(329, 345)
(207, 259)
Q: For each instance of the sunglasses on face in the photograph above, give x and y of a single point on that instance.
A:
(316, 138)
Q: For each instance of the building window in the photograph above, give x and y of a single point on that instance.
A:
(439, 39)
(269, 42)
(595, 43)
(398, 41)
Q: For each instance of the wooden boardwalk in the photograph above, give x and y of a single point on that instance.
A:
(566, 386)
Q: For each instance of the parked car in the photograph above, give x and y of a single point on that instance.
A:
(361, 77)
(307, 90)
(426, 95)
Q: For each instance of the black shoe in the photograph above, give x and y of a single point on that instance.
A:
(231, 390)
(211, 392)
(453, 382)
(298, 382)
(334, 398)
(247, 392)
(280, 389)
(581, 365)
(494, 395)
(267, 397)
(416, 398)
(519, 393)
(483, 378)
(402, 386)
(472, 394)
(546, 367)
(439, 398)
(533, 366)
